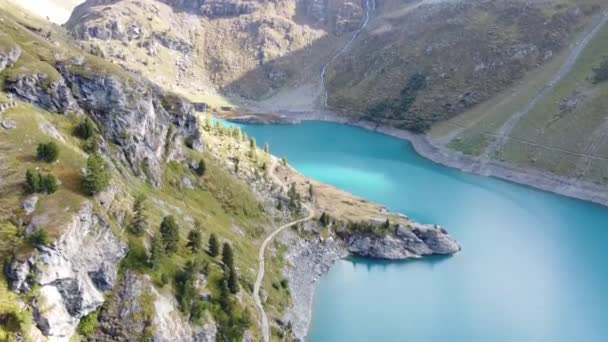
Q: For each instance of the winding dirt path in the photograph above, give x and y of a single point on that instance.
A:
(269, 238)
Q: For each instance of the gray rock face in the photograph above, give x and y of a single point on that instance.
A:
(53, 96)
(72, 274)
(405, 243)
(149, 125)
(8, 58)
(127, 315)
(29, 204)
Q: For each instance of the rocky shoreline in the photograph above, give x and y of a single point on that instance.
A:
(310, 259)
(426, 147)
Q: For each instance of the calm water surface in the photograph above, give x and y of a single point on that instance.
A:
(534, 265)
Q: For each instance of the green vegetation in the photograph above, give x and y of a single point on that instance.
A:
(170, 235)
(86, 128)
(214, 245)
(364, 227)
(601, 72)
(39, 238)
(14, 321)
(324, 219)
(88, 324)
(195, 240)
(48, 152)
(230, 275)
(97, 176)
(158, 252)
(88, 131)
(139, 222)
(201, 167)
(399, 109)
(38, 183)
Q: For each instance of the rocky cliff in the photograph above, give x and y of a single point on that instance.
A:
(232, 46)
(401, 243)
(70, 283)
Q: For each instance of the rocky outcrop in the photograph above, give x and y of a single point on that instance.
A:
(148, 125)
(404, 243)
(52, 95)
(9, 57)
(72, 274)
(137, 311)
(311, 259)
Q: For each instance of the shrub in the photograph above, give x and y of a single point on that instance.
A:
(32, 181)
(201, 167)
(88, 324)
(37, 183)
(48, 184)
(97, 176)
(601, 72)
(47, 152)
(86, 129)
(170, 234)
(91, 145)
(39, 238)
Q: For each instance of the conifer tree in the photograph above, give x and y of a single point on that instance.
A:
(214, 245)
(158, 252)
(227, 255)
(194, 240)
(139, 222)
(170, 234)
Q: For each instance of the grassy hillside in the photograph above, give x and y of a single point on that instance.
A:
(564, 131)
(216, 202)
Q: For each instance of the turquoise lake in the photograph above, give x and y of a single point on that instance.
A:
(534, 266)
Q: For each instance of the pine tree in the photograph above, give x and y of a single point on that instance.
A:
(227, 255)
(86, 129)
(32, 181)
(97, 176)
(311, 191)
(232, 279)
(267, 148)
(194, 240)
(139, 222)
(201, 167)
(386, 224)
(48, 184)
(47, 152)
(225, 302)
(324, 219)
(214, 245)
(158, 252)
(170, 234)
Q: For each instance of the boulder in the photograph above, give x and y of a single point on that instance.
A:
(29, 204)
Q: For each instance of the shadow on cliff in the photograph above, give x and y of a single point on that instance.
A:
(299, 67)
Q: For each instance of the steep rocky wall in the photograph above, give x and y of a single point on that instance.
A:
(137, 311)
(71, 275)
(149, 125)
